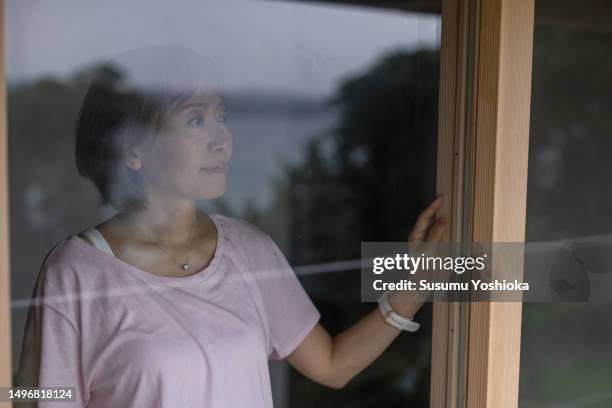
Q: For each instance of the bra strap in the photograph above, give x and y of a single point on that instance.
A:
(98, 240)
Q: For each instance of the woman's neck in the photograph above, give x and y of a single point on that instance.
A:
(165, 225)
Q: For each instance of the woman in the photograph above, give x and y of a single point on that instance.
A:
(163, 305)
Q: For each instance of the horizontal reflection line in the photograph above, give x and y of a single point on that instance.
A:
(313, 269)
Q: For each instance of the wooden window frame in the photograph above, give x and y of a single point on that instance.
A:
(486, 51)
(504, 47)
(5, 283)
(485, 97)
(447, 336)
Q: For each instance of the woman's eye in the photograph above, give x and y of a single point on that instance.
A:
(223, 117)
(196, 121)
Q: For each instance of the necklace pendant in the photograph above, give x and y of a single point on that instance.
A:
(185, 266)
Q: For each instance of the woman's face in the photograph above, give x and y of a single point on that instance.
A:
(189, 156)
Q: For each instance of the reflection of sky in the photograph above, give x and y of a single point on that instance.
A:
(275, 45)
(262, 143)
(264, 46)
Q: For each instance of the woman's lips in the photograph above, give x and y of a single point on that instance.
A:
(222, 168)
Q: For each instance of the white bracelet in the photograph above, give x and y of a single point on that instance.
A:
(394, 319)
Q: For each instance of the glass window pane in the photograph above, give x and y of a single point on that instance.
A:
(332, 111)
(565, 347)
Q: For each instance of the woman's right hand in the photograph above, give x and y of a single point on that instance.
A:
(424, 238)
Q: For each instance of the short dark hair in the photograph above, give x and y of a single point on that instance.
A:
(125, 104)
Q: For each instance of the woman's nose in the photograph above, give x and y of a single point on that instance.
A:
(220, 141)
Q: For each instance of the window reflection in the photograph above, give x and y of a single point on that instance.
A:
(565, 346)
(334, 144)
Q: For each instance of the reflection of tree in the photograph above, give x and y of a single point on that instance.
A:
(569, 196)
(44, 184)
(379, 172)
(569, 153)
(368, 186)
(44, 180)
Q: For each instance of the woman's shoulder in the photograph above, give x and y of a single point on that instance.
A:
(240, 229)
(62, 252)
(60, 268)
(69, 257)
(246, 237)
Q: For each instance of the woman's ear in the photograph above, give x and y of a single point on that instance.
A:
(133, 157)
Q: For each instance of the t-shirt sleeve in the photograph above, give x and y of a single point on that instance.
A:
(50, 353)
(290, 311)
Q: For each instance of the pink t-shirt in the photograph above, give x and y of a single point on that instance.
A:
(128, 338)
